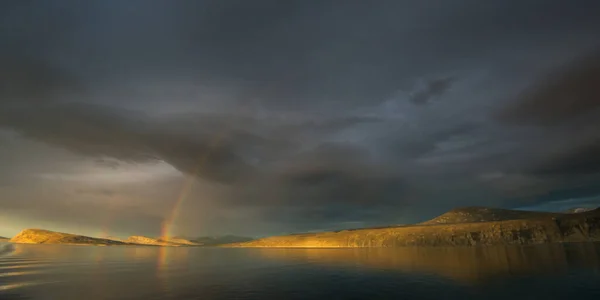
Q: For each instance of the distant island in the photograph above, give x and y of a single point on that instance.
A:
(468, 226)
(187, 241)
(40, 236)
(143, 240)
(221, 240)
(3, 239)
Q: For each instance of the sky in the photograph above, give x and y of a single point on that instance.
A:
(269, 117)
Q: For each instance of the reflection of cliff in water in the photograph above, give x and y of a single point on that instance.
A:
(463, 264)
(6, 249)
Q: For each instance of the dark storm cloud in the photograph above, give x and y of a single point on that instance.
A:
(578, 159)
(307, 110)
(96, 192)
(24, 79)
(112, 164)
(567, 93)
(89, 129)
(316, 177)
(337, 173)
(26, 72)
(430, 90)
(413, 143)
(564, 104)
(331, 185)
(218, 147)
(102, 131)
(288, 55)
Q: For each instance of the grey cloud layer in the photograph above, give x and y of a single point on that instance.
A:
(319, 112)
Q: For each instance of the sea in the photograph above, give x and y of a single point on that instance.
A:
(53, 272)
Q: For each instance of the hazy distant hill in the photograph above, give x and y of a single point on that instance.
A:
(459, 227)
(220, 240)
(40, 236)
(183, 241)
(114, 239)
(143, 240)
(3, 239)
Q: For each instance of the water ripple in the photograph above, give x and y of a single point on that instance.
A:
(17, 285)
(150, 273)
(20, 273)
(27, 266)
(6, 249)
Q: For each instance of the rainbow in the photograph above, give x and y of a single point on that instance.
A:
(107, 221)
(167, 224)
(169, 221)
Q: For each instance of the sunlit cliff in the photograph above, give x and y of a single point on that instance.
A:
(40, 236)
(466, 227)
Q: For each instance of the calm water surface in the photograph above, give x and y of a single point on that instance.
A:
(90, 273)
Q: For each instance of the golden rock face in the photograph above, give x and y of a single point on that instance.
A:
(40, 236)
(485, 214)
(535, 228)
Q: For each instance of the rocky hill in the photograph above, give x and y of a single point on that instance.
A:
(460, 227)
(40, 236)
(485, 214)
(578, 210)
